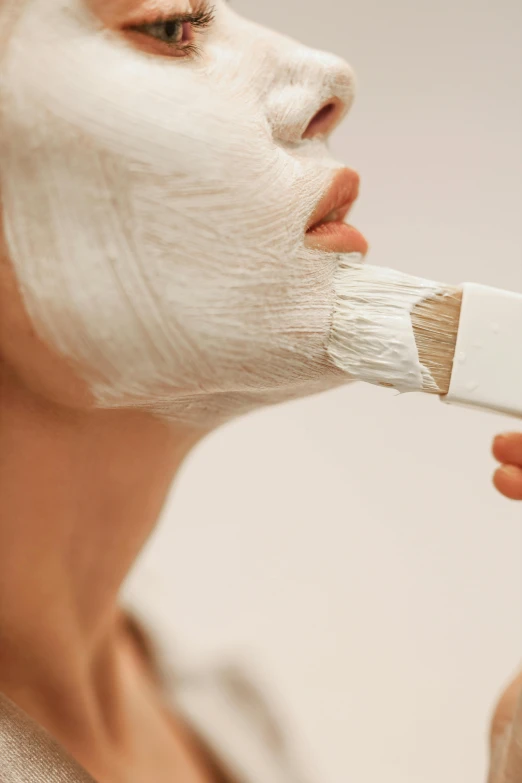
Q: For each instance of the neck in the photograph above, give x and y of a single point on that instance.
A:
(80, 493)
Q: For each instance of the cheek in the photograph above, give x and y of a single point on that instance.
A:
(165, 255)
(213, 181)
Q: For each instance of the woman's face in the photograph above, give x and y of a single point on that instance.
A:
(161, 161)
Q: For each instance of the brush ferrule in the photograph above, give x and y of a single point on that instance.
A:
(487, 366)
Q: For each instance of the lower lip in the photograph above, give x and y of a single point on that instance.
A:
(336, 237)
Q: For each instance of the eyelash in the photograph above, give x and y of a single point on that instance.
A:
(197, 20)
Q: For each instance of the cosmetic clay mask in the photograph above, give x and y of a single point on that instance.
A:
(155, 208)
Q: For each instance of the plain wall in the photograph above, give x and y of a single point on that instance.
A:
(352, 544)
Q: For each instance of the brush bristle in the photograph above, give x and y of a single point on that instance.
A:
(393, 329)
(435, 326)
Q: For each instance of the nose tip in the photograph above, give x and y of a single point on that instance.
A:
(308, 94)
(337, 97)
(325, 120)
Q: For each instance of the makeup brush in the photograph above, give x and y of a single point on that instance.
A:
(462, 343)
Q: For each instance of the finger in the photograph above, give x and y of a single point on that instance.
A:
(498, 757)
(506, 708)
(507, 448)
(502, 732)
(508, 481)
(511, 762)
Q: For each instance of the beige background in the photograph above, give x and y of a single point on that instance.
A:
(351, 545)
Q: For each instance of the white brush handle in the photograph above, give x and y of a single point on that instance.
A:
(487, 367)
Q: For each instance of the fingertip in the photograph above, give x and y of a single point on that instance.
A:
(507, 448)
(499, 443)
(508, 481)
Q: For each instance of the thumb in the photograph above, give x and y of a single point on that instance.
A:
(506, 736)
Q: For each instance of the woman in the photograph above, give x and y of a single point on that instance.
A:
(164, 169)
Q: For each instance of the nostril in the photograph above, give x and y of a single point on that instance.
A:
(323, 121)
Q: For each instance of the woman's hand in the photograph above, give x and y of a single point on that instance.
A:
(506, 736)
(507, 449)
(506, 726)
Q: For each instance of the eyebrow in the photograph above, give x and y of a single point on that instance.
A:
(153, 5)
(126, 8)
(117, 12)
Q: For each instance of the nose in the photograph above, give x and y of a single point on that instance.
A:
(311, 93)
(326, 119)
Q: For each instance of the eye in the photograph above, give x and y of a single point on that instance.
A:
(173, 36)
(170, 31)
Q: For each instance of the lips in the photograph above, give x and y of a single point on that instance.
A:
(326, 229)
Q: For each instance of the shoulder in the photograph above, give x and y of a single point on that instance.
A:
(230, 706)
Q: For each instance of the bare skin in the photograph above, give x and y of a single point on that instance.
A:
(81, 491)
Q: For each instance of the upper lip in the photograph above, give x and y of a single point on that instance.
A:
(338, 200)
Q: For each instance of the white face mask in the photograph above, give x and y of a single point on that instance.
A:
(155, 209)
